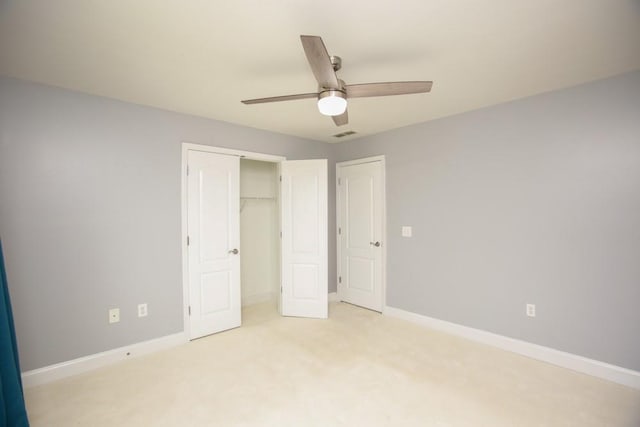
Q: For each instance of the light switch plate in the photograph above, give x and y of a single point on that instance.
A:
(406, 231)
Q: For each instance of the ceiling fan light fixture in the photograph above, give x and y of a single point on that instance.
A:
(332, 102)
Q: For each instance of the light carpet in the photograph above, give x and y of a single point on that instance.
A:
(358, 368)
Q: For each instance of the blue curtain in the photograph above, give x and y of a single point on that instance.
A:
(12, 409)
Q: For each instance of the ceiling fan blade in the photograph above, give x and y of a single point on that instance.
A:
(387, 88)
(342, 119)
(320, 62)
(280, 98)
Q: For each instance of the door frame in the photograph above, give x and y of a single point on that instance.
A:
(186, 147)
(383, 203)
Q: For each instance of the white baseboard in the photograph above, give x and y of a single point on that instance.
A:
(98, 360)
(333, 297)
(258, 298)
(574, 362)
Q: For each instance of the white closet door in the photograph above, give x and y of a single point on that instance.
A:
(304, 238)
(214, 238)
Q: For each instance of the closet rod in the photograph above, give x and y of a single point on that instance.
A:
(257, 198)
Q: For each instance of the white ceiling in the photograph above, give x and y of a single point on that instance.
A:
(202, 57)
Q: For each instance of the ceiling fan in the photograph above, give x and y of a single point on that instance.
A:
(332, 92)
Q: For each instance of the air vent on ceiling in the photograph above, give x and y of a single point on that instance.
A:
(343, 134)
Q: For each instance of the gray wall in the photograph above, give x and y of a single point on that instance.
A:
(90, 215)
(534, 201)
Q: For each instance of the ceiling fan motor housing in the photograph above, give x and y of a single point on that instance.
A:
(336, 61)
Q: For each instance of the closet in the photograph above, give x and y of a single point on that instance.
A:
(259, 232)
(254, 230)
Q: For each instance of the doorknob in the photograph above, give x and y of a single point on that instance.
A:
(234, 251)
(376, 244)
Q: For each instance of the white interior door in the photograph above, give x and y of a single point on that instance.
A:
(360, 227)
(213, 229)
(303, 201)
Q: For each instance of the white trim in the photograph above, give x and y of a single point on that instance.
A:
(333, 297)
(361, 161)
(88, 363)
(383, 189)
(186, 146)
(384, 229)
(230, 152)
(571, 361)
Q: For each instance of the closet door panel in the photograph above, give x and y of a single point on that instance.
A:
(213, 225)
(304, 238)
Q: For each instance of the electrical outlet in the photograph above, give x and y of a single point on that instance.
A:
(531, 310)
(142, 310)
(114, 315)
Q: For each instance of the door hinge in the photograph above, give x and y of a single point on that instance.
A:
(280, 178)
(187, 240)
(281, 234)
(280, 288)
(187, 170)
(189, 310)
(339, 230)
(339, 279)
(339, 181)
